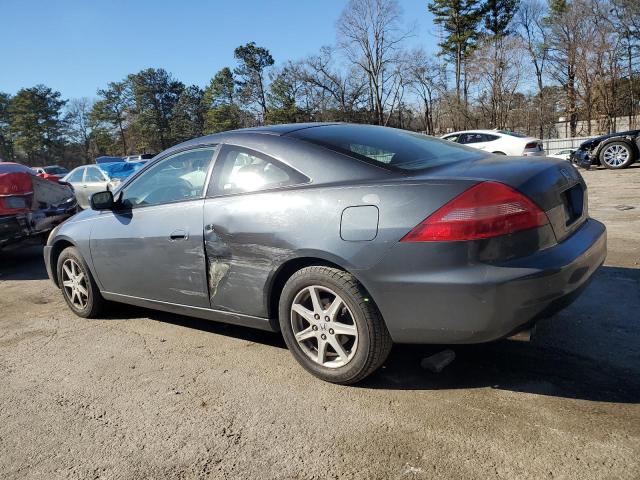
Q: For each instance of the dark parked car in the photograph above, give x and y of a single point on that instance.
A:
(51, 170)
(615, 151)
(346, 238)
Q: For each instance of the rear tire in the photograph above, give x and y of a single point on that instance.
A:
(78, 286)
(617, 155)
(331, 325)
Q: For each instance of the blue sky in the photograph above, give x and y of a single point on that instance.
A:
(78, 46)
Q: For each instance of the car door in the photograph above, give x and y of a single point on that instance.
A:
(240, 234)
(151, 245)
(473, 139)
(75, 178)
(94, 181)
(491, 143)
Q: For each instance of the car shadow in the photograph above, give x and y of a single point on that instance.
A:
(126, 312)
(589, 351)
(23, 261)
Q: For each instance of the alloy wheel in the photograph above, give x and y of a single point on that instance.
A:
(74, 282)
(324, 327)
(616, 155)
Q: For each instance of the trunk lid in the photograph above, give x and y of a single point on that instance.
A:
(554, 185)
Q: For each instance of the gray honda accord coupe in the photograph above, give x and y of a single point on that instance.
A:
(345, 238)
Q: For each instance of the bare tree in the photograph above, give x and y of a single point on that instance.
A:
(78, 123)
(498, 78)
(529, 24)
(627, 22)
(567, 24)
(371, 35)
(346, 91)
(424, 75)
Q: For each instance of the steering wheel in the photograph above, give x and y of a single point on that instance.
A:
(171, 193)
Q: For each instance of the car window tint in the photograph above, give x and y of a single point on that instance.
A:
(93, 174)
(374, 153)
(240, 170)
(179, 177)
(452, 138)
(490, 138)
(76, 175)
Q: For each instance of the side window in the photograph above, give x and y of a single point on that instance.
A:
(93, 174)
(490, 138)
(76, 176)
(452, 138)
(240, 170)
(179, 177)
(468, 138)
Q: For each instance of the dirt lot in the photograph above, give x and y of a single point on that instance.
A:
(151, 395)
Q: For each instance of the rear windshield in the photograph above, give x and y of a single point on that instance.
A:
(513, 134)
(387, 147)
(55, 170)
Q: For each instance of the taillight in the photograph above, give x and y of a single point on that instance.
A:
(488, 209)
(531, 145)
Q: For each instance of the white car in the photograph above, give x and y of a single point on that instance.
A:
(500, 142)
(563, 154)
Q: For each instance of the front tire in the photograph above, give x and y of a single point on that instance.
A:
(77, 284)
(617, 155)
(331, 326)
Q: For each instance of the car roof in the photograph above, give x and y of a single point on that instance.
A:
(283, 129)
(273, 131)
(493, 132)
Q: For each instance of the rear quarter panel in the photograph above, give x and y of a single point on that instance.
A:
(254, 235)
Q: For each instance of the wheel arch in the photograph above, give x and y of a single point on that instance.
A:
(622, 138)
(56, 249)
(287, 269)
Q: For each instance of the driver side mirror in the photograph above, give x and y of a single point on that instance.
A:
(102, 200)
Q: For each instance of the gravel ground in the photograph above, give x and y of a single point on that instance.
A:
(150, 395)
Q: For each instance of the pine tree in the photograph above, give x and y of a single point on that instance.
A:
(254, 61)
(187, 115)
(6, 144)
(36, 124)
(459, 19)
(222, 113)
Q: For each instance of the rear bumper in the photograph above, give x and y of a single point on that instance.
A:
(481, 302)
(537, 153)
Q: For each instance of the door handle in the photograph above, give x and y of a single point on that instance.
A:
(179, 234)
